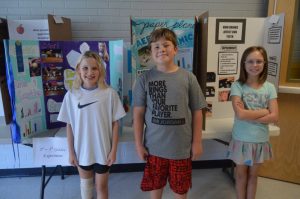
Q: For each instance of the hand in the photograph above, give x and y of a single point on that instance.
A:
(73, 159)
(197, 150)
(142, 152)
(111, 158)
(266, 111)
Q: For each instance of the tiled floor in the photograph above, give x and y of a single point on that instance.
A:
(207, 184)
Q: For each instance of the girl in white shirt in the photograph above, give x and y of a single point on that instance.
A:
(91, 110)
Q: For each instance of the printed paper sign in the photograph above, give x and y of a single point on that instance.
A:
(50, 151)
(29, 29)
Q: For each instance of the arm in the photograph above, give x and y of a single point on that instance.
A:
(197, 148)
(138, 125)
(245, 114)
(115, 138)
(272, 117)
(70, 138)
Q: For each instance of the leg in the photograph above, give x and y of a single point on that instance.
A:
(102, 185)
(252, 181)
(156, 194)
(86, 183)
(180, 177)
(241, 181)
(180, 196)
(155, 176)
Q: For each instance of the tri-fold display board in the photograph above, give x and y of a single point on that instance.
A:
(52, 28)
(227, 38)
(40, 72)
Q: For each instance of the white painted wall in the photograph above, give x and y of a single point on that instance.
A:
(109, 19)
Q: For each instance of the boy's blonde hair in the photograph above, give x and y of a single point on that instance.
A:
(101, 81)
(165, 33)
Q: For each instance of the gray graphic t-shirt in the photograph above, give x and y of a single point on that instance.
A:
(170, 99)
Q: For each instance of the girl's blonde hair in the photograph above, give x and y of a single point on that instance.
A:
(101, 81)
(105, 53)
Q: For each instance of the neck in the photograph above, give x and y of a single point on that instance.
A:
(253, 82)
(167, 68)
(89, 87)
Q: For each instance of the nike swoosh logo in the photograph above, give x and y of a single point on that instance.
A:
(84, 105)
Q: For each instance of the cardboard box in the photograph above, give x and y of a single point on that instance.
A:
(59, 30)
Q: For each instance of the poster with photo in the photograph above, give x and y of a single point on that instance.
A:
(23, 69)
(41, 72)
(226, 42)
(52, 64)
(141, 29)
(59, 60)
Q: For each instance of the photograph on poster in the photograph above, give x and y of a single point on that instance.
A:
(53, 72)
(145, 57)
(208, 112)
(210, 91)
(211, 77)
(227, 63)
(51, 55)
(224, 96)
(230, 31)
(103, 52)
(34, 66)
(54, 88)
(225, 82)
(184, 58)
(274, 35)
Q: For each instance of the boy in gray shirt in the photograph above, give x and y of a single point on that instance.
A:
(169, 101)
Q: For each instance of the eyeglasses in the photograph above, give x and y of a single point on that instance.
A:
(252, 62)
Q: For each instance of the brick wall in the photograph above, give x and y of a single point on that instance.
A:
(109, 19)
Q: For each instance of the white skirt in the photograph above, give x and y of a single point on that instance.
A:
(248, 153)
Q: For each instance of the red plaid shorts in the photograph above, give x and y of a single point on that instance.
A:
(158, 170)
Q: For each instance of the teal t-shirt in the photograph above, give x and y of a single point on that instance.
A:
(250, 131)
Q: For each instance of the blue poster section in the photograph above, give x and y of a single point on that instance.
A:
(23, 71)
(141, 30)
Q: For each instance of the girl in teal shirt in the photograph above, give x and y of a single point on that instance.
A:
(254, 102)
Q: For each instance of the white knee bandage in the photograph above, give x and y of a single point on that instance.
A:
(87, 188)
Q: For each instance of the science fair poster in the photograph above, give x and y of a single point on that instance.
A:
(39, 73)
(141, 29)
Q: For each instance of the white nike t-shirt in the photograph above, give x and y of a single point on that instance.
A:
(90, 114)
